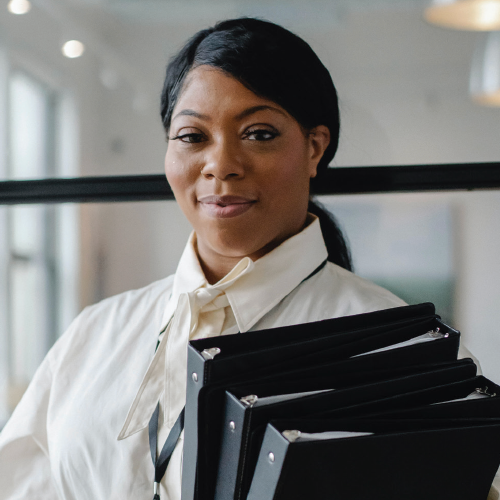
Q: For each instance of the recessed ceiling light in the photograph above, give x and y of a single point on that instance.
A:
(73, 48)
(19, 6)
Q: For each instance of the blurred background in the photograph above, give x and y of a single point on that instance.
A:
(79, 94)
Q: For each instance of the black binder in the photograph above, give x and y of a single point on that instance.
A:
(294, 354)
(432, 408)
(389, 460)
(245, 417)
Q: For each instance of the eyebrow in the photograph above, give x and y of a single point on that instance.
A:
(243, 114)
(191, 112)
(255, 109)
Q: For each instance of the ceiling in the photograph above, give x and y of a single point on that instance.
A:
(285, 11)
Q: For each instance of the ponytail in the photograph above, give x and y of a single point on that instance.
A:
(338, 251)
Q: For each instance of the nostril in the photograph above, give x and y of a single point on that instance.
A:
(221, 170)
(205, 174)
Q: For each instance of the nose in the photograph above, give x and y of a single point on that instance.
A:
(223, 161)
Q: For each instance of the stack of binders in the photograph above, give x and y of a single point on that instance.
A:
(366, 407)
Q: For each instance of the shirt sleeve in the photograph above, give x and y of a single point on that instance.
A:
(25, 471)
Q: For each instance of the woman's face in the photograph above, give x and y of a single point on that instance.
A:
(239, 166)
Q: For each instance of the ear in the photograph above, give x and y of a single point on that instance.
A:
(319, 138)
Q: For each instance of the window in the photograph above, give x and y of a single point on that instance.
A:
(35, 239)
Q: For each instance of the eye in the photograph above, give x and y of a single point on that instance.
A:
(261, 134)
(191, 138)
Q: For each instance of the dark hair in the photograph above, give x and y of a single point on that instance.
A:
(275, 64)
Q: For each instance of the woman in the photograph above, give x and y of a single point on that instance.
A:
(251, 115)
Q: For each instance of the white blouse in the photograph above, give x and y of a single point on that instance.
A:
(80, 431)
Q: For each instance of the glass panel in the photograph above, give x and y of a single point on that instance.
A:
(30, 309)
(4, 317)
(29, 292)
(433, 247)
(29, 297)
(27, 230)
(28, 128)
(404, 244)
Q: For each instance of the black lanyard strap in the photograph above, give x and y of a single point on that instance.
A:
(161, 463)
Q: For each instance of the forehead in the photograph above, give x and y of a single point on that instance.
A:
(210, 90)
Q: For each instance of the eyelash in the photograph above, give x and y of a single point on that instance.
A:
(262, 131)
(198, 138)
(195, 138)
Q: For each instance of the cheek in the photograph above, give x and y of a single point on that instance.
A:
(182, 178)
(289, 176)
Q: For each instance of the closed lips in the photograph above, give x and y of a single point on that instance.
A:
(224, 201)
(223, 207)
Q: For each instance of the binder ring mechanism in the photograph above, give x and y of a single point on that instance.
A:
(291, 436)
(207, 354)
(210, 353)
(485, 391)
(437, 334)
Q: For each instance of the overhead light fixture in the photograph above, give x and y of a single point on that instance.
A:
(73, 48)
(473, 15)
(485, 71)
(19, 6)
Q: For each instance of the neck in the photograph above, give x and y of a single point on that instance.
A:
(216, 269)
(216, 265)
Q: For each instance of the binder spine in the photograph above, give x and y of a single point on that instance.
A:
(230, 455)
(273, 452)
(195, 382)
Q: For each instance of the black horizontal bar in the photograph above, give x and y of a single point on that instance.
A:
(407, 178)
(87, 189)
(339, 180)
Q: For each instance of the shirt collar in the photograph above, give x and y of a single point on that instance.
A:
(264, 284)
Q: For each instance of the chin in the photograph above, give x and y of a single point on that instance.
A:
(236, 247)
(253, 244)
(236, 243)
(240, 238)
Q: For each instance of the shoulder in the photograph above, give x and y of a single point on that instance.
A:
(352, 291)
(343, 293)
(331, 293)
(129, 317)
(124, 307)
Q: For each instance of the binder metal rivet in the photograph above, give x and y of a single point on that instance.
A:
(232, 425)
(271, 456)
(195, 377)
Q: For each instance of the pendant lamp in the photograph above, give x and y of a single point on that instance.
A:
(485, 71)
(474, 15)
